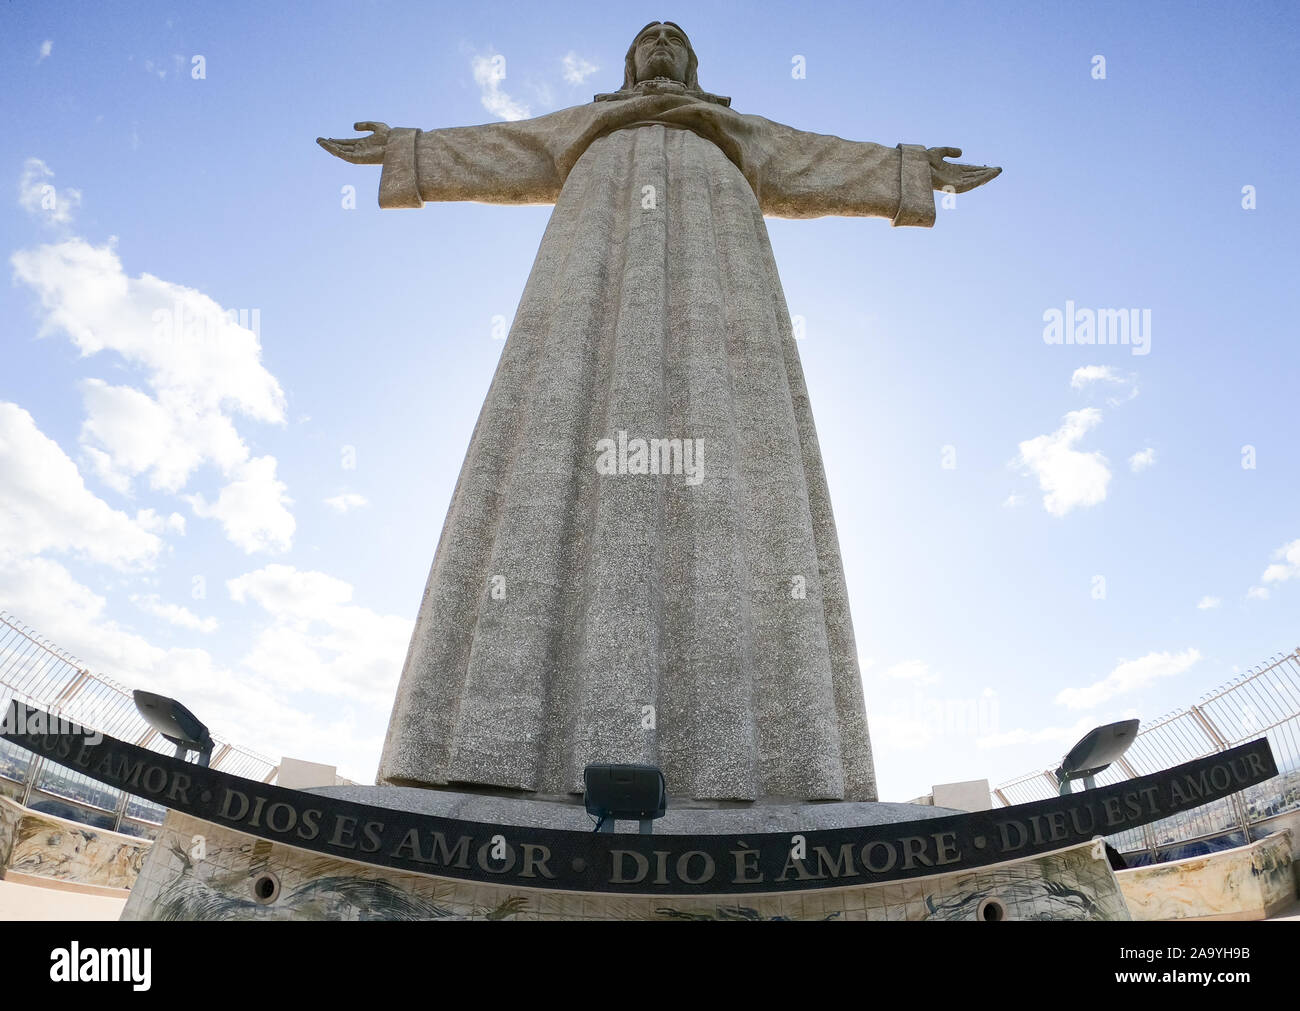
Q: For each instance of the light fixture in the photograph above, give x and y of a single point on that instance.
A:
(624, 792)
(1094, 753)
(176, 724)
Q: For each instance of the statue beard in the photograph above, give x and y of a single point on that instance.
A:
(662, 65)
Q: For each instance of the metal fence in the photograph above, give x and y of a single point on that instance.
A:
(1263, 702)
(35, 671)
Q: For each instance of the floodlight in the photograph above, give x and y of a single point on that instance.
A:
(176, 724)
(627, 792)
(1094, 753)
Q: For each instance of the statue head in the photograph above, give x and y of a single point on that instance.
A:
(661, 49)
(661, 59)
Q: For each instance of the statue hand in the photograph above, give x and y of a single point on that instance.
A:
(960, 177)
(359, 150)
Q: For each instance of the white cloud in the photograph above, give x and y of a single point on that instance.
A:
(38, 196)
(1012, 501)
(1129, 676)
(1069, 478)
(150, 520)
(188, 344)
(253, 508)
(173, 613)
(45, 505)
(1288, 567)
(1142, 460)
(101, 464)
(203, 364)
(1208, 603)
(1257, 593)
(319, 639)
(489, 72)
(346, 501)
(286, 592)
(1087, 375)
(128, 433)
(576, 69)
(56, 605)
(47, 47)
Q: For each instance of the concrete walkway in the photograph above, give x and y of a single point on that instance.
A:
(33, 902)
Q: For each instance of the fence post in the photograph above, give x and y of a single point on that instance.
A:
(1221, 744)
(121, 811)
(33, 771)
(1149, 841)
(68, 693)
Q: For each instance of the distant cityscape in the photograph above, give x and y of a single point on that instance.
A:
(78, 798)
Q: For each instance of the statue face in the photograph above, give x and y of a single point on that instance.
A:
(661, 51)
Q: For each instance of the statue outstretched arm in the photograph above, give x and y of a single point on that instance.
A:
(809, 175)
(497, 163)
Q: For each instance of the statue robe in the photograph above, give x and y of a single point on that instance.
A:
(573, 616)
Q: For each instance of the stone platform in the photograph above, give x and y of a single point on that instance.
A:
(241, 876)
(233, 848)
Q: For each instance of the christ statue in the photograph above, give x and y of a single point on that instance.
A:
(639, 563)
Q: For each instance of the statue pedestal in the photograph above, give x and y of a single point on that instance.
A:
(242, 876)
(233, 847)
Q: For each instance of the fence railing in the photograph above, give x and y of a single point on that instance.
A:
(39, 673)
(1263, 702)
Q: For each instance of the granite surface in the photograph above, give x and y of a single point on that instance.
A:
(514, 810)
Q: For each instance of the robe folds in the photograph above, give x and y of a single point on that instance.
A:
(595, 598)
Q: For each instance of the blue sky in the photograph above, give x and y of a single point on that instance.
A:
(1037, 537)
